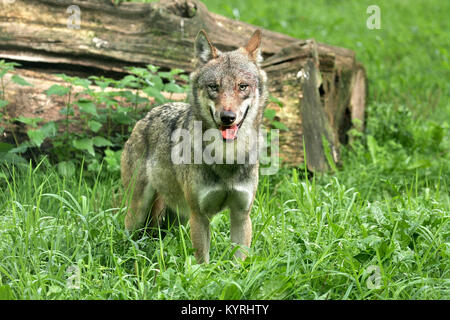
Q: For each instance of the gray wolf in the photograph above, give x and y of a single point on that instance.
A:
(228, 93)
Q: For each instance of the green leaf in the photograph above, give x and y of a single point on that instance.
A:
(29, 121)
(373, 148)
(85, 83)
(75, 80)
(21, 148)
(54, 289)
(140, 72)
(276, 287)
(94, 125)
(12, 158)
(3, 72)
(231, 291)
(184, 77)
(173, 87)
(152, 68)
(20, 81)
(112, 159)
(66, 78)
(279, 125)
(102, 142)
(5, 67)
(49, 129)
(6, 292)
(176, 71)
(270, 114)
(86, 144)
(87, 106)
(3, 103)
(419, 164)
(5, 147)
(165, 75)
(153, 92)
(66, 168)
(129, 81)
(94, 166)
(155, 82)
(103, 84)
(275, 100)
(38, 136)
(58, 90)
(122, 117)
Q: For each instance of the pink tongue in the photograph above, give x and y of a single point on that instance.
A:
(229, 133)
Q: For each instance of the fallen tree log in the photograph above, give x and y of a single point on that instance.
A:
(322, 88)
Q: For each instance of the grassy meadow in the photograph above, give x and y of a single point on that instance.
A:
(378, 228)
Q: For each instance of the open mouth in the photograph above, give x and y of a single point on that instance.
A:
(229, 133)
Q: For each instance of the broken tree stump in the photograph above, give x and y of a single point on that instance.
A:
(44, 37)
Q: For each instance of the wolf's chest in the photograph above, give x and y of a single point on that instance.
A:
(237, 197)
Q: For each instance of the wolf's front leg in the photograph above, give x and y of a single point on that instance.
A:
(200, 236)
(241, 231)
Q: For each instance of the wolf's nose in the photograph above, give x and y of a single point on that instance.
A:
(227, 117)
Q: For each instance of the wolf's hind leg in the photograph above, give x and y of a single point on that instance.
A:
(143, 196)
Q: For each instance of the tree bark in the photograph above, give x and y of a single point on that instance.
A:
(322, 87)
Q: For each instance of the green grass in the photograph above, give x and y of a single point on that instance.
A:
(313, 239)
(327, 236)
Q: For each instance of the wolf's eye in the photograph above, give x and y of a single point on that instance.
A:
(213, 87)
(243, 86)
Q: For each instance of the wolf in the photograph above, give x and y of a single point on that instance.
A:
(227, 94)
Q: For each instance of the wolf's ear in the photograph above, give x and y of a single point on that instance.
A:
(253, 47)
(204, 50)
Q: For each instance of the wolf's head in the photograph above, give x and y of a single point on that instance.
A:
(228, 88)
